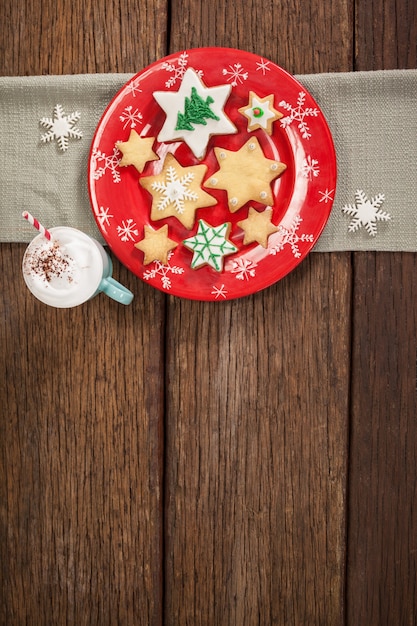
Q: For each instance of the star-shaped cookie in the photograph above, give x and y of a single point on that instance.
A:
(258, 226)
(194, 113)
(260, 112)
(177, 191)
(210, 245)
(156, 245)
(137, 151)
(245, 174)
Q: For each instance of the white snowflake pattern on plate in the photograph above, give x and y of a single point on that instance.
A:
(131, 118)
(104, 217)
(244, 268)
(263, 66)
(292, 238)
(235, 74)
(219, 292)
(128, 230)
(310, 168)
(163, 272)
(326, 195)
(298, 113)
(102, 163)
(366, 212)
(178, 70)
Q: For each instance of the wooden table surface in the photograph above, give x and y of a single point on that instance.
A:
(237, 463)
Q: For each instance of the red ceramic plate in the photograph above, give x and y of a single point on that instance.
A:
(302, 196)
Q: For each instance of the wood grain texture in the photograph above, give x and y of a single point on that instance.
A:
(382, 570)
(80, 456)
(45, 37)
(300, 37)
(385, 34)
(257, 414)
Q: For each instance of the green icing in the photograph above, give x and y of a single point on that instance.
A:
(196, 111)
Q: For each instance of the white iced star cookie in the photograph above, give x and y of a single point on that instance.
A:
(260, 112)
(194, 113)
(210, 245)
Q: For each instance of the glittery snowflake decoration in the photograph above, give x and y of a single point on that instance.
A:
(292, 238)
(163, 271)
(366, 212)
(61, 127)
(298, 113)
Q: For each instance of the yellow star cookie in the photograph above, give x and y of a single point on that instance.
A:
(156, 245)
(245, 174)
(177, 191)
(137, 151)
(260, 112)
(258, 226)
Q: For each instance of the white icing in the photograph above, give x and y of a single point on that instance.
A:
(173, 103)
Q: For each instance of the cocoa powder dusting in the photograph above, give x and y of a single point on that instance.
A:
(50, 263)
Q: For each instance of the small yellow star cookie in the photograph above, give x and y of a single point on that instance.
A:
(260, 112)
(258, 226)
(156, 245)
(177, 191)
(245, 174)
(137, 151)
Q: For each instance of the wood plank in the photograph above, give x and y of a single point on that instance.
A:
(85, 37)
(257, 415)
(81, 442)
(80, 456)
(383, 487)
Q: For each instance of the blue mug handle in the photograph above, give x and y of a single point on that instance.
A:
(115, 290)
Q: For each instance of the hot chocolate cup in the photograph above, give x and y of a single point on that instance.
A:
(70, 269)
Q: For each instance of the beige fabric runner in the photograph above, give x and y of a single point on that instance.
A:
(372, 116)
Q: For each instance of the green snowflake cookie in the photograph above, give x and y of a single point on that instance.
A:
(210, 245)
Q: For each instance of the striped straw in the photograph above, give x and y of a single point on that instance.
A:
(32, 220)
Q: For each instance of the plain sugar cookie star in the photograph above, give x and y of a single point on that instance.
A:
(245, 174)
(137, 151)
(156, 245)
(177, 191)
(194, 113)
(260, 112)
(258, 226)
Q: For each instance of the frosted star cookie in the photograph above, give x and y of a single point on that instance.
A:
(156, 245)
(194, 113)
(260, 112)
(137, 151)
(177, 191)
(210, 245)
(245, 174)
(258, 226)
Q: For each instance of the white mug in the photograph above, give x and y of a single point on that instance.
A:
(70, 269)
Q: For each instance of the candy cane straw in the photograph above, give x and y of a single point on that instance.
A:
(32, 220)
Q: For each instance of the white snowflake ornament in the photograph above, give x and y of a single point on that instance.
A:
(366, 212)
(61, 127)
